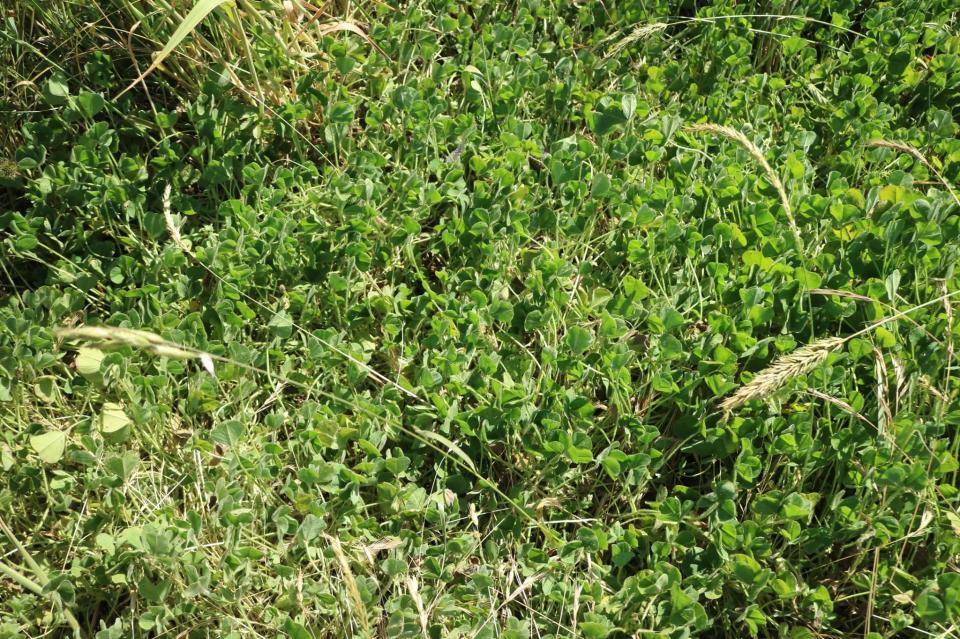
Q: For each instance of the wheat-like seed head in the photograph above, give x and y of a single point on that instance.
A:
(777, 375)
(642, 31)
(359, 610)
(171, 225)
(903, 147)
(755, 152)
(113, 336)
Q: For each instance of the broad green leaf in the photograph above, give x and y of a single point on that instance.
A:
(228, 433)
(394, 567)
(929, 607)
(594, 629)
(601, 185)
(502, 311)
(56, 90)
(281, 325)
(124, 465)
(106, 542)
(50, 445)
(628, 104)
(745, 568)
(579, 455)
(295, 630)
(578, 339)
(892, 283)
(797, 506)
(46, 388)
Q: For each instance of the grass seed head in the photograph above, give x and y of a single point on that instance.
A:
(786, 368)
(755, 152)
(115, 337)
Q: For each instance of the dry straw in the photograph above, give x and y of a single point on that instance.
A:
(116, 337)
(112, 336)
(359, 610)
(168, 219)
(755, 152)
(639, 33)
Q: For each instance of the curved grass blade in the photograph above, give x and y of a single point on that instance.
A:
(196, 15)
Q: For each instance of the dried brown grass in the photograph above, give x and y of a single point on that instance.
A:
(356, 601)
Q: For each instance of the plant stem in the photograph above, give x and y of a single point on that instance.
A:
(899, 314)
(41, 577)
(21, 579)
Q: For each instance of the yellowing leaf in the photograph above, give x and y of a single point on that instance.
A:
(88, 360)
(46, 389)
(50, 445)
(113, 419)
(892, 193)
(954, 520)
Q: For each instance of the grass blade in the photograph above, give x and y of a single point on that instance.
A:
(200, 11)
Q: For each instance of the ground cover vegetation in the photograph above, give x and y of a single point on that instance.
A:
(523, 319)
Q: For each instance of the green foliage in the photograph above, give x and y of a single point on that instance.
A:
(469, 296)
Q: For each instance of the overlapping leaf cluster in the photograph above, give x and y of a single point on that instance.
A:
(503, 211)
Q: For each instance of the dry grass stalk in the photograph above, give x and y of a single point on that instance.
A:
(115, 337)
(414, 588)
(933, 390)
(522, 588)
(168, 219)
(839, 293)
(915, 153)
(885, 414)
(359, 611)
(294, 12)
(371, 550)
(948, 311)
(900, 375)
(755, 152)
(842, 405)
(786, 368)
